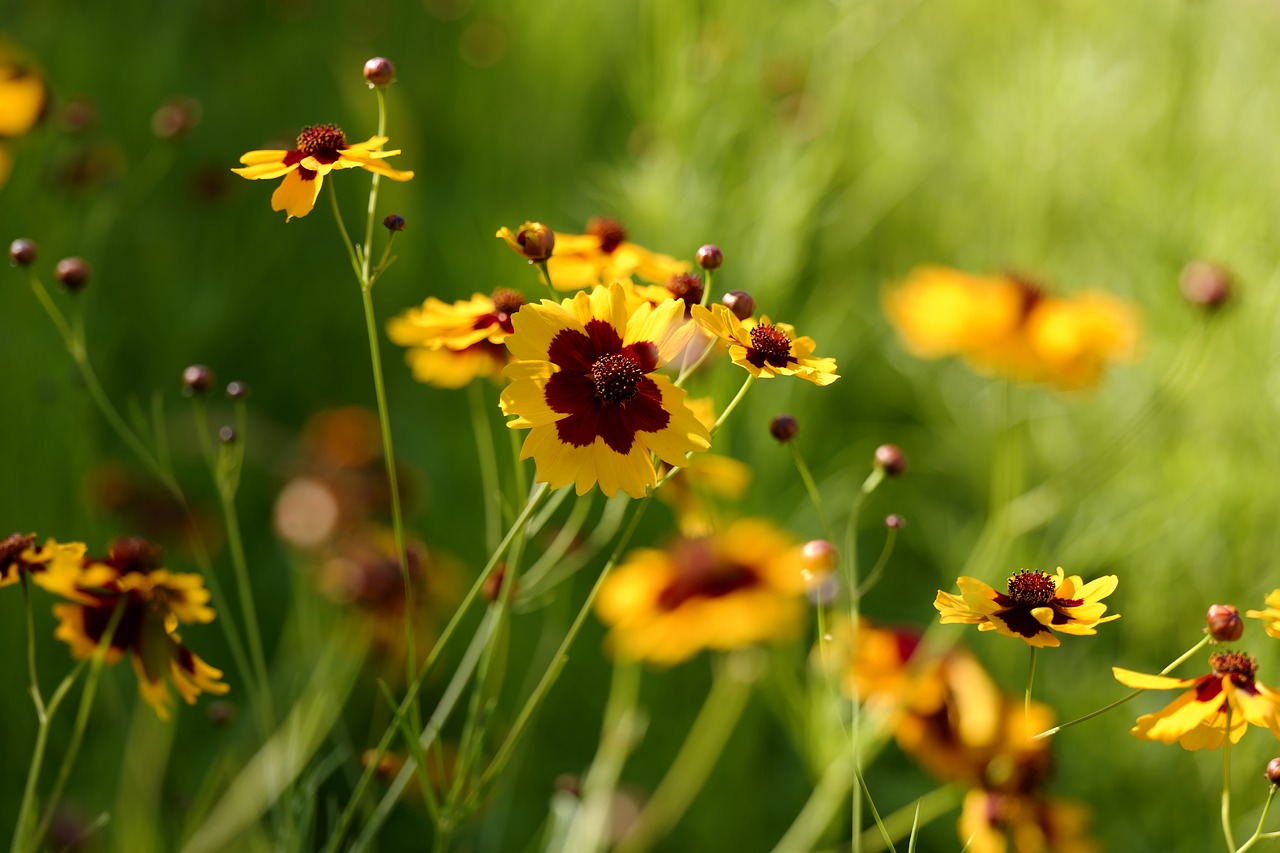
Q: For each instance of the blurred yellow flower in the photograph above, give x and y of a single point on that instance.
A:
(603, 255)
(1036, 605)
(321, 149)
(584, 384)
(451, 345)
(1270, 616)
(23, 100)
(1009, 327)
(766, 349)
(694, 491)
(998, 821)
(1199, 718)
(742, 585)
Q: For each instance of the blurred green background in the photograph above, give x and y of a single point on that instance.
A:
(828, 147)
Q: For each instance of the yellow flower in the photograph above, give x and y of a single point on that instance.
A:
(583, 384)
(453, 344)
(321, 149)
(602, 256)
(23, 101)
(998, 821)
(1198, 719)
(1271, 616)
(740, 586)
(1074, 339)
(1036, 605)
(152, 602)
(766, 349)
(15, 558)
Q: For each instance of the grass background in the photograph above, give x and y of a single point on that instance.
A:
(828, 147)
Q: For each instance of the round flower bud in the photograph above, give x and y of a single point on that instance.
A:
(710, 257)
(534, 241)
(783, 428)
(819, 557)
(237, 390)
(22, 252)
(196, 380)
(895, 522)
(72, 273)
(1205, 285)
(890, 459)
(1223, 623)
(221, 713)
(740, 303)
(175, 118)
(394, 223)
(1273, 771)
(380, 72)
(227, 435)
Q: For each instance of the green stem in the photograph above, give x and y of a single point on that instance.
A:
(1031, 677)
(36, 697)
(1262, 819)
(819, 809)
(928, 808)
(352, 254)
(881, 562)
(812, 488)
(488, 464)
(697, 756)
(546, 279)
(875, 813)
(733, 404)
(1226, 786)
(25, 814)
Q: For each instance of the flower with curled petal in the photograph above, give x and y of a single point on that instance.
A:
(766, 349)
(1036, 605)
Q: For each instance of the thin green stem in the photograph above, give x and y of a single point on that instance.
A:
(1031, 677)
(689, 369)
(1226, 785)
(36, 696)
(545, 277)
(812, 488)
(492, 497)
(820, 808)
(1262, 819)
(366, 254)
(733, 404)
(352, 254)
(910, 818)
(875, 813)
(881, 562)
(25, 811)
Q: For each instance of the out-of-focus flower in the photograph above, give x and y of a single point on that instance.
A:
(1009, 327)
(766, 349)
(584, 384)
(23, 100)
(1270, 616)
(1036, 605)
(321, 149)
(450, 345)
(1198, 719)
(603, 255)
(742, 585)
(998, 821)
(708, 479)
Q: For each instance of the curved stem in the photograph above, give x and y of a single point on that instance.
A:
(1031, 677)
(812, 488)
(1262, 819)
(881, 562)
(733, 404)
(36, 697)
(488, 464)
(1226, 786)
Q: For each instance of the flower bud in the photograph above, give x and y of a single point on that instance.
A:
(783, 428)
(710, 257)
(227, 435)
(532, 240)
(394, 223)
(895, 522)
(1223, 623)
(22, 252)
(175, 118)
(1273, 771)
(819, 557)
(889, 458)
(740, 303)
(687, 287)
(380, 72)
(237, 390)
(1205, 285)
(72, 273)
(196, 380)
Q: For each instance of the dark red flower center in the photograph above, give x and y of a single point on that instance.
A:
(505, 303)
(322, 141)
(134, 555)
(701, 573)
(1034, 588)
(615, 377)
(11, 547)
(1237, 665)
(611, 232)
(769, 345)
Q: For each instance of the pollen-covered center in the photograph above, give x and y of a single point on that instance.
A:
(507, 301)
(611, 232)
(772, 344)
(1233, 664)
(615, 377)
(1034, 588)
(322, 141)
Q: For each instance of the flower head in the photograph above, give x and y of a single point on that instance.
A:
(1000, 821)
(603, 255)
(766, 349)
(742, 585)
(1036, 605)
(321, 149)
(1270, 616)
(584, 385)
(450, 345)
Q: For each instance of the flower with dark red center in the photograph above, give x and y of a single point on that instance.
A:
(1216, 706)
(740, 586)
(766, 349)
(1036, 605)
(584, 384)
(321, 149)
(603, 255)
(450, 345)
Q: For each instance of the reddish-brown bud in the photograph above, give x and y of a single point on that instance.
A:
(175, 118)
(784, 428)
(394, 223)
(1273, 771)
(221, 713)
(237, 390)
(889, 458)
(819, 557)
(740, 303)
(532, 240)
(380, 72)
(22, 252)
(1223, 623)
(196, 380)
(895, 522)
(228, 435)
(710, 257)
(72, 273)
(1205, 285)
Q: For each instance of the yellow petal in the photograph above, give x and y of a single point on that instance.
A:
(296, 196)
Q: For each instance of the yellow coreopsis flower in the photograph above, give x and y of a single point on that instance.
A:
(603, 255)
(450, 345)
(766, 349)
(321, 149)
(1036, 605)
(1198, 719)
(584, 385)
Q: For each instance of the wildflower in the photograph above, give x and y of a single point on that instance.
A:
(766, 349)
(532, 241)
(1036, 605)
(997, 821)
(1074, 339)
(742, 585)
(1223, 623)
(152, 602)
(23, 100)
(1270, 616)
(603, 255)
(453, 344)
(321, 149)
(583, 383)
(1198, 719)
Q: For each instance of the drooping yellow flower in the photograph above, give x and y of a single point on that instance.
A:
(1036, 605)
(1270, 616)
(451, 345)
(152, 602)
(603, 255)
(1198, 719)
(321, 149)
(584, 385)
(766, 349)
(740, 586)
(1016, 822)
